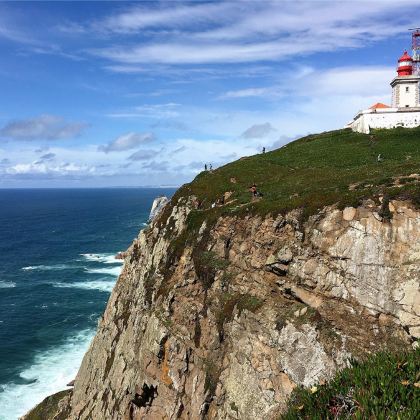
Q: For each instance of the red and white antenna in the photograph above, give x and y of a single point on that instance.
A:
(415, 43)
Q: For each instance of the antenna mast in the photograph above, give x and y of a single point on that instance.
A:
(415, 43)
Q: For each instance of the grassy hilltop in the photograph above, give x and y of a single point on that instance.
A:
(338, 167)
(333, 167)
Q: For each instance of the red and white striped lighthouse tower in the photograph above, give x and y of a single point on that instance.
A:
(405, 65)
(405, 87)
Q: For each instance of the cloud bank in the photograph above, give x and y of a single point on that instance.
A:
(248, 32)
(43, 127)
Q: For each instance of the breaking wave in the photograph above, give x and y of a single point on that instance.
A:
(7, 284)
(103, 258)
(101, 285)
(111, 271)
(49, 267)
(49, 372)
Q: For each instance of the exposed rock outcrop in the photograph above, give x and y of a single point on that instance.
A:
(55, 407)
(224, 324)
(157, 206)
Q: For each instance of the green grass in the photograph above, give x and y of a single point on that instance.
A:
(315, 171)
(386, 386)
(338, 167)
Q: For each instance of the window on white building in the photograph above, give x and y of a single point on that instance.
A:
(407, 89)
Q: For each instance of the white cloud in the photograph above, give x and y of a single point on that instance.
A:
(127, 141)
(62, 169)
(155, 111)
(169, 15)
(10, 32)
(258, 131)
(247, 93)
(338, 81)
(72, 28)
(366, 80)
(43, 127)
(197, 53)
(242, 32)
(341, 19)
(144, 154)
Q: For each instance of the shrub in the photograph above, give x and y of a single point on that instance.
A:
(384, 211)
(206, 264)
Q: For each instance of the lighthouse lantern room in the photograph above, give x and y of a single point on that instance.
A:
(405, 65)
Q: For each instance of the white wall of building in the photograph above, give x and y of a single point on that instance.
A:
(389, 118)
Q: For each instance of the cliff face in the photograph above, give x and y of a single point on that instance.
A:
(225, 324)
(158, 204)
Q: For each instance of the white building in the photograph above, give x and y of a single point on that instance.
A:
(405, 109)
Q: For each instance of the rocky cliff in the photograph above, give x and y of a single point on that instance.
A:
(227, 328)
(158, 204)
(221, 311)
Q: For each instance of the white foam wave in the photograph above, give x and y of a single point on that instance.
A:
(50, 371)
(48, 267)
(7, 284)
(102, 285)
(103, 258)
(112, 271)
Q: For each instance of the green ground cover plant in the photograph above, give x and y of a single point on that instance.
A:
(315, 171)
(385, 386)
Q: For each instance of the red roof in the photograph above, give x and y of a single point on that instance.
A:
(405, 57)
(379, 105)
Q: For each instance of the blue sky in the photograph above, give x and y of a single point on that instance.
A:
(127, 94)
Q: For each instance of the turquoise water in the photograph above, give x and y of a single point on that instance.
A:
(57, 269)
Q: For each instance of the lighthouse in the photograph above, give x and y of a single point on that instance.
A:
(405, 87)
(405, 108)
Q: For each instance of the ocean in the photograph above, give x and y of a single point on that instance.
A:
(57, 269)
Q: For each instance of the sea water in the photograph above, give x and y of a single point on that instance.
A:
(57, 269)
